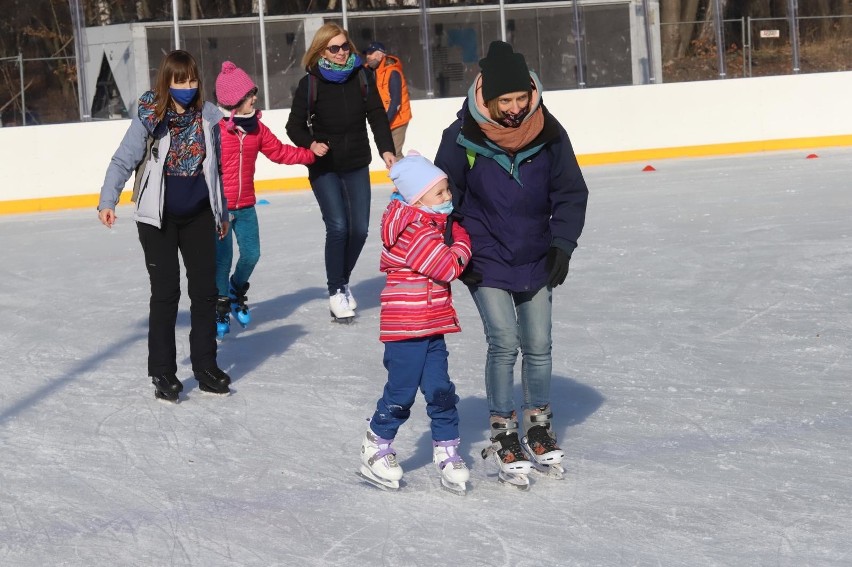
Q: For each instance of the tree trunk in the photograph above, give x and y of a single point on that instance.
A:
(143, 11)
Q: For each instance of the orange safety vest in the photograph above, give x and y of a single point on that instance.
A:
(383, 72)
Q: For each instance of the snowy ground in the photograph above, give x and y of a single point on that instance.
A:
(701, 386)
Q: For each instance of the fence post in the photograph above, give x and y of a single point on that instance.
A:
(80, 55)
(748, 33)
(578, 44)
(23, 90)
(263, 66)
(175, 23)
(793, 12)
(652, 78)
(720, 37)
(427, 51)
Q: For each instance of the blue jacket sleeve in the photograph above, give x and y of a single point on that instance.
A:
(568, 195)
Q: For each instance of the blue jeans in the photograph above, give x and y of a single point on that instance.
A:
(244, 227)
(412, 364)
(344, 200)
(513, 321)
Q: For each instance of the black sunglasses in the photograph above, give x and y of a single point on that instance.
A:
(334, 49)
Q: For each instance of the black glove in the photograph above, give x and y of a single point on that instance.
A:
(557, 265)
(470, 278)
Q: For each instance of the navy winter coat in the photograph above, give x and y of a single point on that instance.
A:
(515, 207)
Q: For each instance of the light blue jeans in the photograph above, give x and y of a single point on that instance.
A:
(516, 321)
(244, 226)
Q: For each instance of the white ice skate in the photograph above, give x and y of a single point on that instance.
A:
(507, 453)
(539, 443)
(454, 473)
(339, 307)
(378, 462)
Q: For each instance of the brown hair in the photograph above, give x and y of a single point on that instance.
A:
(494, 107)
(179, 66)
(320, 42)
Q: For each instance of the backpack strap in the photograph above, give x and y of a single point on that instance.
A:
(312, 101)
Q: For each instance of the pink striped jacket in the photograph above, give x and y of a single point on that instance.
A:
(417, 300)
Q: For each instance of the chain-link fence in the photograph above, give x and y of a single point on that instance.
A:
(756, 47)
(37, 90)
(570, 44)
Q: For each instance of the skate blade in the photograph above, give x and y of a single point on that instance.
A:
(457, 488)
(518, 481)
(386, 485)
(166, 399)
(556, 472)
(343, 320)
(216, 393)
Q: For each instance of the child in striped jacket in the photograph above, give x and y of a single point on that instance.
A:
(417, 311)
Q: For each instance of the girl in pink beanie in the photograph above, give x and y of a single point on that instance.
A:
(243, 137)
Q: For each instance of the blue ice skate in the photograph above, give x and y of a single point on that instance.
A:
(238, 304)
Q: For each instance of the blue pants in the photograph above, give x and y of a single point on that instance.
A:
(244, 226)
(413, 364)
(344, 200)
(516, 321)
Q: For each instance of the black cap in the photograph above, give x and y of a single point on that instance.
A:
(375, 46)
(503, 71)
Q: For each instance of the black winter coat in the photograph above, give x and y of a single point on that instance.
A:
(339, 112)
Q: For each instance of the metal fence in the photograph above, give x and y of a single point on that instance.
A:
(571, 44)
(759, 47)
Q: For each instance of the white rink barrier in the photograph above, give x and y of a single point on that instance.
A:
(62, 166)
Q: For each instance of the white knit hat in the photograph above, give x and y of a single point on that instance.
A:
(414, 175)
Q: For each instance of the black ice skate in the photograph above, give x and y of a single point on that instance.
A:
(539, 443)
(506, 450)
(167, 387)
(213, 381)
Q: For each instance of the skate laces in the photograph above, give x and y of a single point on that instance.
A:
(341, 299)
(541, 440)
(510, 447)
(385, 450)
(451, 450)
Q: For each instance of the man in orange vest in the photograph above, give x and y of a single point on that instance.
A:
(392, 88)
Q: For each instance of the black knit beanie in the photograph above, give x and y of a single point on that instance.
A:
(503, 71)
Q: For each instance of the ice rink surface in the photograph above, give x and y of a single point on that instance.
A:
(701, 390)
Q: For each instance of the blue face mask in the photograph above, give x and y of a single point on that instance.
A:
(442, 209)
(183, 96)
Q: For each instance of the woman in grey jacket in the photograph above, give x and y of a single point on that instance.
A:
(180, 207)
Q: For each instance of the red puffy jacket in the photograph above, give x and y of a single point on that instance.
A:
(417, 300)
(239, 154)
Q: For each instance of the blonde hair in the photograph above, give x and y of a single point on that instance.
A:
(325, 34)
(179, 66)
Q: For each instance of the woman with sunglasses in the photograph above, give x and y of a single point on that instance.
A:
(244, 136)
(329, 115)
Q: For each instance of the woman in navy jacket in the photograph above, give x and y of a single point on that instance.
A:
(331, 108)
(521, 196)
